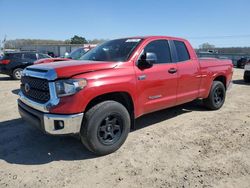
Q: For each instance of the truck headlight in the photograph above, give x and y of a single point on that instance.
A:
(69, 87)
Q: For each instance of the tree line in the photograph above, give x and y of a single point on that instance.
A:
(206, 47)
(18, 43)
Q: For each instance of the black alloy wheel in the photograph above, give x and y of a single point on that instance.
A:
(218, 95)
(110, 129)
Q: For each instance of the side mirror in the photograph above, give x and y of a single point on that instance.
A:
(147, 60)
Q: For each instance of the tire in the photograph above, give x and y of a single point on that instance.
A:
(16, 74)
(216, 96)
(246, 78)
(105, 127)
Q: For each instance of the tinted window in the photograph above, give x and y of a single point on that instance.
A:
(42, 56)
(13, 56)
(181, 50)
(76, 54)
(114, 50)
(161, 50)
(30, 56)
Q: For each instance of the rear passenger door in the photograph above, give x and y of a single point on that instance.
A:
(188, 73)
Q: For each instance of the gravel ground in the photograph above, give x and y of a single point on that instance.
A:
(185, 146)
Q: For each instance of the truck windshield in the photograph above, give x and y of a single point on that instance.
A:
(114, 50)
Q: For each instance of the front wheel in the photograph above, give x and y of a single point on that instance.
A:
(105, 127)
(216, 96)
(17, 73)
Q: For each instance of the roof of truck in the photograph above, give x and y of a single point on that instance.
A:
(157, 37)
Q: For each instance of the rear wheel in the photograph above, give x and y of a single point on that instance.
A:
(16, 74)
(216, 96)
(105, 127)
(246, 78)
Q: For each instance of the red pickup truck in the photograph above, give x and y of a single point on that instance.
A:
(99, 97)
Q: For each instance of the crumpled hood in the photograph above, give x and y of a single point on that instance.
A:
(50, 60)
(66, 69)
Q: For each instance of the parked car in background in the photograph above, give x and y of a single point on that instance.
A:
(241, 62)
(99, 98)
(75, 55)
(247, 72)
(13, 63)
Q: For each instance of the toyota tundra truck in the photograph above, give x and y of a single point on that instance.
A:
(99, 97)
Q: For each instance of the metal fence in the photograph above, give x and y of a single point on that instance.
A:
(233, 57)
(58, 50)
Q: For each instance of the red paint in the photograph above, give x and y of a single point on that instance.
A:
(5, 61)
(51, 60)
(158, 90)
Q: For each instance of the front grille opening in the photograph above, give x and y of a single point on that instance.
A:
(35, 89)
(36, 70)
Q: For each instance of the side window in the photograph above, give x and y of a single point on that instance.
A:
(15, 56)
(161, 49)
(42, 56)
(181, 50)
(30, 56)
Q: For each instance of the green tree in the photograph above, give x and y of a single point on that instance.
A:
(78, 40)
(97, 41)
(206, 46)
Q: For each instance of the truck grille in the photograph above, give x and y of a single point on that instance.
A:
(35, 89)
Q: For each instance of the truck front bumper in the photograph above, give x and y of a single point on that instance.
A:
(51, 123)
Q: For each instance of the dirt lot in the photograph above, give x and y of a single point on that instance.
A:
(185, 146)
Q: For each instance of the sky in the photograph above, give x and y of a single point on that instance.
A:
(223, 23)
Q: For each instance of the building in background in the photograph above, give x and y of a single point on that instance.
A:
(58, 50)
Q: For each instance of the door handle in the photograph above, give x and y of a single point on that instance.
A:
(172, 70)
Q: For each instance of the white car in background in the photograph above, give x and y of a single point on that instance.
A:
(247, 72)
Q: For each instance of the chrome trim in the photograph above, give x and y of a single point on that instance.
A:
(43, 73)
(72, 123)
(154, 97)
(201, 76)
(40, 72)
(54, 100)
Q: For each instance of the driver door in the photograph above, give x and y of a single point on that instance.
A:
(157, 86)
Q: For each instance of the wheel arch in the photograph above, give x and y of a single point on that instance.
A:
(120, 96)
(221, 78)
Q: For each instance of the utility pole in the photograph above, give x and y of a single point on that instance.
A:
(4, 40)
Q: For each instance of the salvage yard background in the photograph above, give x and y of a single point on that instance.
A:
(185, 146)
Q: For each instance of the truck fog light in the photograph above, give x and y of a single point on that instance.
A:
(58, 124)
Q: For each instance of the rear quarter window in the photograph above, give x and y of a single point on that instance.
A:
(181, 50)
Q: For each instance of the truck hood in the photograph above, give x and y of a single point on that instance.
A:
(50, 60)
(66, 69)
